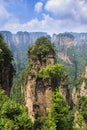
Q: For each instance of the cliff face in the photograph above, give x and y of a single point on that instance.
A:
(69, 39)
(63, 42)
(6, 67)
(67, 42)
(79, 98)
(22, 38)
(38, 90)
(38, 93)
(64, 39)
(82, 91)
(19, 43)
(81, 38)
(70, 47)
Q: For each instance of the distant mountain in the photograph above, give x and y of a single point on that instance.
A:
(66, 38)
(67, 43)
(71, 49)
(19, 43)
(23, 38)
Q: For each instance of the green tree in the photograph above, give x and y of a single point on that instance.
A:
(82, 106)
(6, 67)
(12, 115)
(57, 118)
(41, 49)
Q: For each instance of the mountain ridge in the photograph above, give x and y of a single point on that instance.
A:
(70, 47)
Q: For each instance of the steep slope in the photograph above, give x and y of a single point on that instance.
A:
(42, 78)
(80, 88)
(6, 67)
(79, 98)
(19, 43)
(71, 49)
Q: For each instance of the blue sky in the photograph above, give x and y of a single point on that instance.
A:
(51, 16)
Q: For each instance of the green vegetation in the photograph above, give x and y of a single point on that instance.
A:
(78, 57)
(82, 106)
(17, 91)
(52, 71)
(38, 51)
(81, 118)
(6, 67)
(41, 49)
(12, 115)
(57, 118)
(79, 82)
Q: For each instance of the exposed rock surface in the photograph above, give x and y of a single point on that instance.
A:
(82, 90)
(19, 43)
(38, 93)
(22, 38)
(30, 96)
(79, 125)
(75, 96)
(64, 57)
(64, 39)
(78, 96)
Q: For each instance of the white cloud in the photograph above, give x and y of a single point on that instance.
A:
(69, 15)
(34, 25)
(58, 6)
(47, 24)
(38, 7)
(69, 9)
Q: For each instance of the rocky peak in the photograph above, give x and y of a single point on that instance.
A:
(38, 92)
(42, 79)
(64, 39)
(24, 38)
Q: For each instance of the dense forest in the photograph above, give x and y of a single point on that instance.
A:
(40, 98)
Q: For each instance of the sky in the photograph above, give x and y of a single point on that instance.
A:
(51, 16)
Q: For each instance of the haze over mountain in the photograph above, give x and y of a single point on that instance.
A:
(43, 64)
(70, 48)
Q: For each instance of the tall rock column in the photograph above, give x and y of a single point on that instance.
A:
(44, 76)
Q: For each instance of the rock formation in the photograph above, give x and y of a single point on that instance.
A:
(19, 43)
(6, 67)
(38, 91)
(79, 98)
(82, 90)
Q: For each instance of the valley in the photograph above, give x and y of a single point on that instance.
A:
(50, 77)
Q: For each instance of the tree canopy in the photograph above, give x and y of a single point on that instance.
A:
(57, 118)
(41, 48)
(6, 67)
(12, 115)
